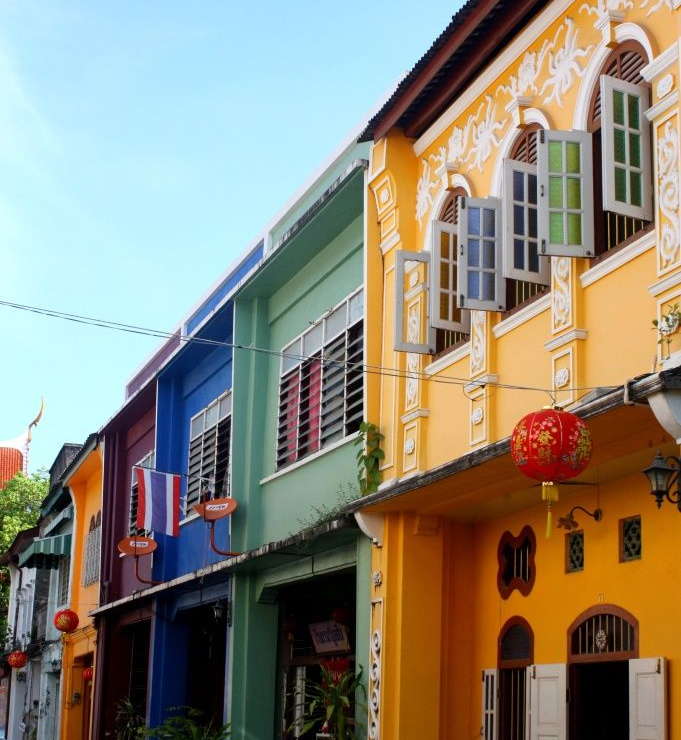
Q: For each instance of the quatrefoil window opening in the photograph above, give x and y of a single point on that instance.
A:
(515, 556)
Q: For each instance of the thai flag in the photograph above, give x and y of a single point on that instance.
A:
(158, 501)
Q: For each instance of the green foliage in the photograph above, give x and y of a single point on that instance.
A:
(329, 703)
(667, 325)
(188, 724)
(20, 501)
(320, 513)
(369, 458)
(129, 722)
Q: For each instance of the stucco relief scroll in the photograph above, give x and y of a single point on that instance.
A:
(653, 8)
(413, 335)
(375, 686)
(668, 177)
(478, 341)
(561, 303)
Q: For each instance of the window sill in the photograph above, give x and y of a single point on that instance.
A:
(190, 518)
(534, 307)
(309, 458)
(617, 258)
(449, 358)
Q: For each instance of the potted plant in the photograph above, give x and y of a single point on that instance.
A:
(328, 703)
(188, 723)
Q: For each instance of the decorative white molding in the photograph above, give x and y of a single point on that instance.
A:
(409, 446)
(377, 578)
(662, 286)
(390, 242)
(660, 63)
(478, 415)
(665, 85)
(522, 315)
(657, 6)
(375, 682)
(480, 383)
(478, 354)
(668, 198)
(563, 65)
(612, 263)
(561, 293)
(415, 414)
(566, 338)
(522, 43)
(372, 525)
(662, 106)
(561, 378)
(451, 358)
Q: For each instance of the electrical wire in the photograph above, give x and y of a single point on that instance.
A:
(390, 372)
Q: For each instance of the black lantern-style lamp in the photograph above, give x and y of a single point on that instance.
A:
(662, 477)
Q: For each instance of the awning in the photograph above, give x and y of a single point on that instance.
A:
(46, 552)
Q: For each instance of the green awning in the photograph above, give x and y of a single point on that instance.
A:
(46, 552)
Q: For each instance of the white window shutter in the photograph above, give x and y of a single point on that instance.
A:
(412, 301)
(490, 704)
(481, 282)
(547, 707)
(444, 312)
(625, 140)
(566, 211)
(647, 699)
(522, 260)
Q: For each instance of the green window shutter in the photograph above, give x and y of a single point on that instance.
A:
(522, 260)
(625, 134)
(481, 282)
(444, 312)
(407, 297)
(566, 212)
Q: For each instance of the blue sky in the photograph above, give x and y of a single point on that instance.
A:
(143, 146)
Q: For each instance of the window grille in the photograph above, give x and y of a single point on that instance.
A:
(148, 461)
(516, 652)
(574, 543)
(63, 573)
(93, 542)
(209, 452)
(606, 632)
(630, 539)
(515, 556)
(321, 392)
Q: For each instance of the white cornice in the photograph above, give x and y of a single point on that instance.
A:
(451, 358)
(667, 102)
(661, 62)
(667, 283)
(390, 242)
(481, 382)
(566, 338)
(415, 414)
(490, 74)
(522, 315)
(630, 252)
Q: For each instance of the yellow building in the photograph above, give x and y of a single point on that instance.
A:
(84, 480)
(523, 234)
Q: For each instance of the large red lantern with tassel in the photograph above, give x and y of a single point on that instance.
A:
(66, 620)
(550, 446)
(17, 659)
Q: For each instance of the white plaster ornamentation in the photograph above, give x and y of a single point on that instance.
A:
(478, 341)
(561, 378)
(563, 65)
(409, 446)
(429, 182)
(485, 135)
(478, 415)
(657, 6)
(604, 8)
(457, 144)
(561, 305)
(665, 85)
(668, 175)
(413, 335)
(375, 686)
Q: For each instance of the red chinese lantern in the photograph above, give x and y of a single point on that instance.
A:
(66, 620)
(17, 659)
(551, 446)
(341, 614)
(88, 673)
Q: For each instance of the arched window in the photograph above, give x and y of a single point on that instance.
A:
(603, 632)
(516, 653)
(526, 272)
(445, 267)
(621, 149)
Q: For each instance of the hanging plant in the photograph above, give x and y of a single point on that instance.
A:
(369, 458)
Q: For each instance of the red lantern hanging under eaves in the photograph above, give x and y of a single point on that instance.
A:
(550, 446)
(66, 620)
(17, 659)
(88, 673)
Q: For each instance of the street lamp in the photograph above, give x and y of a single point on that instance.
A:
(662, 477)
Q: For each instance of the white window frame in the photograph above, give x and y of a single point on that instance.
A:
(510, 271)
(498, 302)
(451, 264)
(586, 209)
(490, 704)
(210, 417)
(647, 699)
(401, 340)
(609, 85)
(316, 342)
(148, 461)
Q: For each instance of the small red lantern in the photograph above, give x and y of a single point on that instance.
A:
(88, 673)
(66, 620)
(551, 446)
(341, 614)
(17, 659)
